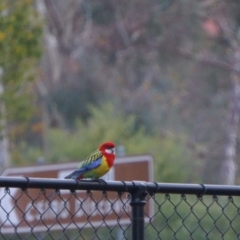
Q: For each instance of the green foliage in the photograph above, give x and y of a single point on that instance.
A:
(22, 154)
(20, 35)
(171, 156)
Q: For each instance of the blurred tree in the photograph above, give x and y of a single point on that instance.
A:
(221, 22)
(66, 66)
(20, 33)
(166, 62)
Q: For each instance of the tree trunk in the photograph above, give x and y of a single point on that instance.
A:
(4, 140)
(229, 166)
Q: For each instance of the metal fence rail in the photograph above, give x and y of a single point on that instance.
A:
(116, 210)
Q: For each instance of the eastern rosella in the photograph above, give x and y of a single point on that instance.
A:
(97, 164)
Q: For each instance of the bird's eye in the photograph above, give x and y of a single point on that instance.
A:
(110, 150)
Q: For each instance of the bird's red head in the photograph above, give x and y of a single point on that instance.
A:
(108, 150)
(107, 147)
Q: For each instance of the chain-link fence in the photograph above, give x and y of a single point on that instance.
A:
(116, 210)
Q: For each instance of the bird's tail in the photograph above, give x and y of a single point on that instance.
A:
(73, 175)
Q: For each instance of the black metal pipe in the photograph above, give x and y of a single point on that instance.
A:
(196, 189)
(120, 186)
(137, 221)
(52, 183)
(137, 203)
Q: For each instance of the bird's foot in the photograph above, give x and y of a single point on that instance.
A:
(84, 180)
(99, 180)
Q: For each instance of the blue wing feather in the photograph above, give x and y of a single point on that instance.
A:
(90, 166)
(86, 166)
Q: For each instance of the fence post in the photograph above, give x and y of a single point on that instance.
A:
(137, 203)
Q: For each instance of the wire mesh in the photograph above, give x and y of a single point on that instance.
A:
(193, 217)
(31, 213)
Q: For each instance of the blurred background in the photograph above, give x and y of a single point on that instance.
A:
(158, 77)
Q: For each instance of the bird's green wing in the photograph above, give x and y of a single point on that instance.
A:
(92, 161)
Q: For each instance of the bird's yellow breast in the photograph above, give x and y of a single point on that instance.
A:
(102, 169)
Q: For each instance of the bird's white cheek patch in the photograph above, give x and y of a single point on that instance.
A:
(108, 150)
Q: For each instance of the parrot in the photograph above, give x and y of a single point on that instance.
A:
(94, 166)
(97, 164)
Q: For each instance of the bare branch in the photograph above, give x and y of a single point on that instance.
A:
(206, 59)
(121, 29)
